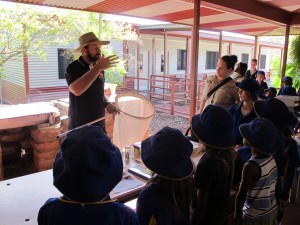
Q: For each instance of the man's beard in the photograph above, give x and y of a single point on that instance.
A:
(93, 58)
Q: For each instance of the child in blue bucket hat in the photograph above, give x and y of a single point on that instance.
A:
(242, 112)
(166, 198)
(213, 177)
(286, 155)
(85, 171)
(255, 201)
(287, 88)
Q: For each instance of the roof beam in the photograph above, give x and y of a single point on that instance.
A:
(253, 9)
(295, 19)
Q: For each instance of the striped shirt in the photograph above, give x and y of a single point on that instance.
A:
(260, 204)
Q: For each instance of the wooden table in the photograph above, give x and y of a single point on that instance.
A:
(23, 115)
(22, 197)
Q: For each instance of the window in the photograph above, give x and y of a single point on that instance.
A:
(245, 58)
(141, 63)
(64, 58)
(211, 60)
(162, 63)
(181, 59)
(263, 59)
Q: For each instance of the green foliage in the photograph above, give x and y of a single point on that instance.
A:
(276, 72)
(27, 30)
(292, 66)
(295, 61)
(83, 22)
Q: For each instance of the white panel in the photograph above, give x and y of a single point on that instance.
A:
(212, 19)
(80, 4)
(292, 8)
(245, 26)
(14, 72)
(160, 8)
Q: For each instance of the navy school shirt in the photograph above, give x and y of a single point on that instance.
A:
(287, 90)
(261, 89)
(212, 176)
(91, 104)
(56, 212)
(149, 204)
(238, 119)
(249, 75)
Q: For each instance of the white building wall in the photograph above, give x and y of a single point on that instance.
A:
(14, 72)
(44, 72)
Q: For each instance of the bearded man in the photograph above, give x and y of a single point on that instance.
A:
(85, 78)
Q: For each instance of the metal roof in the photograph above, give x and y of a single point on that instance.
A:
(250, 17)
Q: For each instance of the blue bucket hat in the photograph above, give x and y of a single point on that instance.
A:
(274, 110)
(261, 134)
(289, 79)
(262, 73)
(214, 127)
(249, 85)
(167, 153)
(273, 90)
(88, 166)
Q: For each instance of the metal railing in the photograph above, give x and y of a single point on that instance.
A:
(170, 94)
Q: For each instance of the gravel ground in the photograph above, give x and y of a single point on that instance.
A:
(161, 120)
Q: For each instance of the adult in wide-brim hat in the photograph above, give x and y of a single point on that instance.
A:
(89, 38)
(88, 166)
(261, 134)
(167, 153)
(214, 127)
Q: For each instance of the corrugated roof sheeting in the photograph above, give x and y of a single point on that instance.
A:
(263, 17)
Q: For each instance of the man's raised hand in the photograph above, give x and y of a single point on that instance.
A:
(107, 62)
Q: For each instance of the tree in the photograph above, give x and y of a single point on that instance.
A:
(295, 61)
(27, 30)
(83, 22)
(292, 65)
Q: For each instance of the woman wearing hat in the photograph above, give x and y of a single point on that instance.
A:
(85, 171)
(214, 171)
(85, 78)
(287, 88)
(167, 196)
(255, 201)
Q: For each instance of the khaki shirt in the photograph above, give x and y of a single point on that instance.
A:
(225, 96)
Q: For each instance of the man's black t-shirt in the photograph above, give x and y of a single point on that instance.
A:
(90, 105)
